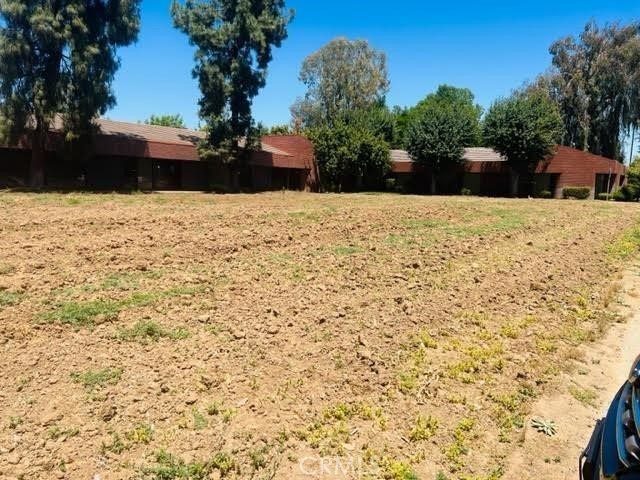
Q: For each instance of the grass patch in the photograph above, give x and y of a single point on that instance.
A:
(94, 379)
(171, 467)
(82, 314)
(343, 251)
(149, 331)
(86, 314)
(626, 246)
(474, 224)
(585, 396)
(127, 280)
(9, 299)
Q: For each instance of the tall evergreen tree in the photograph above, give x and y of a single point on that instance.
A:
(234, 41)
(58, 57)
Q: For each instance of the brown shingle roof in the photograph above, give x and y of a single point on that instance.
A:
(149, 133)
(159, 134)
(474, 154)
(481, 154)
(400, 156)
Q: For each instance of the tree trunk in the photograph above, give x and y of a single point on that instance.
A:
(38, 157)
(515, 182)
(434, 185)
(633, 139)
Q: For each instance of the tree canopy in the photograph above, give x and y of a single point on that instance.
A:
(234, 42)
(349, 157)
(525, 129)
(595, 80)
(175, 121)
(440, 128)
(342, 76)
(59, 58)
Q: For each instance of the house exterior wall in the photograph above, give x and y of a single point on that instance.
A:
(302, 149)
(194, 176)
(568, 167)
(579, 169)
(145, 174)
(14, 167)
(289, 157)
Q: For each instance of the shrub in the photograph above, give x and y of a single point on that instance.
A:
(604, 196)
(466, 192)
(625, 193)
(221, 188)
(390, 184)
(545, 194)
(577, 193)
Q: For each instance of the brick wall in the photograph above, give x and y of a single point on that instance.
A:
(571, 167)
(301, 150)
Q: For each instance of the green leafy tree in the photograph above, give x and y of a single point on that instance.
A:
(376, 119)
(633, 178)
(175, 121)
(59, 58)
(595, 80)
(402, 119)
(342, 76)
(279, 130)
(525, 129)
(234, 42)
(350, 157)
(441, 127)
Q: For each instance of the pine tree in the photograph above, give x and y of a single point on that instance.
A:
(58, 57)
(234, 40)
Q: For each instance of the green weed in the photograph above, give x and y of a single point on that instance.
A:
(85, 314)
(82, 314)
(424, 429)
(200, 422)
(585, 396)
(142, 434)
(55, 433)
(626, 246)
(93, 379)
(347, 250)
(147, 330)
(14, 422)
(170, 467)
(9, 299)
(116, 446)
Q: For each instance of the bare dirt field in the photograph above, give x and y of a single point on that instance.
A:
(293, 336)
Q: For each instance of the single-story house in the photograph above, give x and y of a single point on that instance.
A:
(485, 172)
(130, 156)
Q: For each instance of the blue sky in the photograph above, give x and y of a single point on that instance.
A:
(489, 47)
